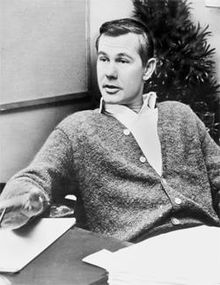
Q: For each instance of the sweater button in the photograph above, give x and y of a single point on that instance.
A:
(164, 181)
(178, 201)
(175, 221)
(126, 132)
(142, 159)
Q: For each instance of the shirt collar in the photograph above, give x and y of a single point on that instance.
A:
(101, 105)
(149, 103)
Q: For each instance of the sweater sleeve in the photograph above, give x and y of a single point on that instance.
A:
(211, 152)
(50, 171)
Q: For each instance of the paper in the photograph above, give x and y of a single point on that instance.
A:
(4, 280)
(101, 258)
(184, 257)
(19, 247)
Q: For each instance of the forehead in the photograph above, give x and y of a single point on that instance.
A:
(128, 43)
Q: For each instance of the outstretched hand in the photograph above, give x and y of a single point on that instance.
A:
(21, 207)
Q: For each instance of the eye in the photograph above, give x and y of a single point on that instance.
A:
(103, 58)
(122, 60)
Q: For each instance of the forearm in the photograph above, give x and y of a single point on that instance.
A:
(29, 192)
(211, 153)
(50, 170)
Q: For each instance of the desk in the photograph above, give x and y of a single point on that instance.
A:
(61, 263)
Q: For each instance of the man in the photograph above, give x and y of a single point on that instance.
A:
(138, 169)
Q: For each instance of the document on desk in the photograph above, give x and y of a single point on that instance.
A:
(184, 257)
(19, 247)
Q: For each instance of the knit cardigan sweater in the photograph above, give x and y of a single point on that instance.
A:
(89, 155)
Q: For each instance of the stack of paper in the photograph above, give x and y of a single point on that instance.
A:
(183, 257)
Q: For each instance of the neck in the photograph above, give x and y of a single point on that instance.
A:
(136, 107)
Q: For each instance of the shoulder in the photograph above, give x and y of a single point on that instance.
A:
(179, 116)
(174, 106)
(78, 121)
(177, 110)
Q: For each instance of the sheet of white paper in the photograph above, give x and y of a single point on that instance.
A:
(101, 258)
(19, 247)
(187, 257)
(4, 280)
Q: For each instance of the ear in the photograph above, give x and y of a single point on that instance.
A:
(149, 68)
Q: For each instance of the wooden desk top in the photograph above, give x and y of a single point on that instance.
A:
(61, 263)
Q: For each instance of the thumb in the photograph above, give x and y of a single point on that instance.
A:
(34, 205)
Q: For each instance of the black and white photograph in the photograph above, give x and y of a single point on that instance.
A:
(109, 142)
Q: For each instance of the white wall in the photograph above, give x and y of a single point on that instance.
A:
(43, 49)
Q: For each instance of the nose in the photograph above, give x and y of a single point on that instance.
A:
(111, 71)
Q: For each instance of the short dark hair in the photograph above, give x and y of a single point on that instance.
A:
(129, 25)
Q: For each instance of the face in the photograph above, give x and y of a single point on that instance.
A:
(120, 71)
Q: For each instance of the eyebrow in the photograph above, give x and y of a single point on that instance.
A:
(121, 54)
(102, 53)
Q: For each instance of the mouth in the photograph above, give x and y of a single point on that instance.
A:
(111, 89)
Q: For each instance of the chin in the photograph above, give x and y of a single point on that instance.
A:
(112, 98)
(112, 101)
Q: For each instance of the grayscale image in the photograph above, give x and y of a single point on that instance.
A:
(109, 142)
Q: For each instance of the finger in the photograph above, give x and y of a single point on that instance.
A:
(13, 220)
(34, 205)
(31, 201)
(13, 201)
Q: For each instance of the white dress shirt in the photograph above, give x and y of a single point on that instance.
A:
(143, 126)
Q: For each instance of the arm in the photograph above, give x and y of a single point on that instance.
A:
(211, 152)
(29, 192)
